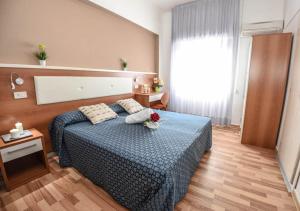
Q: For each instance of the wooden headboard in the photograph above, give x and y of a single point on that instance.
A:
(40, 116)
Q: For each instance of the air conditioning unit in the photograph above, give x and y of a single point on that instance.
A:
(268, 27)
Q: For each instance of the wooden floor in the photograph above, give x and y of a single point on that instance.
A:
(231, 177)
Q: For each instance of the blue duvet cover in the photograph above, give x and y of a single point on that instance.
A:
(142, 169)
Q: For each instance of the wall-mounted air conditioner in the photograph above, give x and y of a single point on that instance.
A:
(268, 27)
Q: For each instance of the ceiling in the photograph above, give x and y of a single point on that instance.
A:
(168, 4)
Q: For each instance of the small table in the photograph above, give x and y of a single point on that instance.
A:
(148, 99)
(23, 160)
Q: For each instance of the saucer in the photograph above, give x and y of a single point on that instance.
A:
(24, 134)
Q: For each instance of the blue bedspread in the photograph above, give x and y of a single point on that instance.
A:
(142, 169)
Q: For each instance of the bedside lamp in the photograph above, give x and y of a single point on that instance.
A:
(18, 81)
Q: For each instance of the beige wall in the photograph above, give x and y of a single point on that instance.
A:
(76, 33)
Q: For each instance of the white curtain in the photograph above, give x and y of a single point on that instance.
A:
(205, 38)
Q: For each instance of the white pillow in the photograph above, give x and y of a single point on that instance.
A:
(130, 105)
(139, 117)
(98, 113)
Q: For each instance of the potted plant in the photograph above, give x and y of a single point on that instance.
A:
(124, 64)
(42, 55)
(158, 84)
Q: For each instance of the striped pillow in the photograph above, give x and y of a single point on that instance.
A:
(130, 105)
(98, 113)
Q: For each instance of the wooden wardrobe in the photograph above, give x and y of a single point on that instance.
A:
(267, 83)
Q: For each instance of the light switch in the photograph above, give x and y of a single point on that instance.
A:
(20, 95)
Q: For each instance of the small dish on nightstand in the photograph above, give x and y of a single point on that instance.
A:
(7, 137)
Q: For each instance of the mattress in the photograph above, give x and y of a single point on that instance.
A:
(142, 169)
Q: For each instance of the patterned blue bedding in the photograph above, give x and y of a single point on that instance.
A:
(142, 169)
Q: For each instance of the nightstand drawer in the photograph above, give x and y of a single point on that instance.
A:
(20, 150)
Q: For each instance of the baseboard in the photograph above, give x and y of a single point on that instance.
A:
(286, 181)
(277, 148)
(295, 196)
(296, 199)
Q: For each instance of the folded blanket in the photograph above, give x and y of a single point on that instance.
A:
(139, 117)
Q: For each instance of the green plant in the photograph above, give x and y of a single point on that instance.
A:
(158, 83)
(124, 63)
(41, 55)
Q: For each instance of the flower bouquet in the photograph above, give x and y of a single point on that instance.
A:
(158, 84)
(153, 121)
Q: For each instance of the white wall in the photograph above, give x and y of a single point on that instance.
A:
(165, 37)
(262, 10)
(141, 12)
(240, 80)
(291, 9)
(289, 137)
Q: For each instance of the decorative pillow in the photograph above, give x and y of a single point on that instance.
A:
(98, 113)
(130, 105)
(139, 117)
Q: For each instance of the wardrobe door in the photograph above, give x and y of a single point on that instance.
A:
(266, 89)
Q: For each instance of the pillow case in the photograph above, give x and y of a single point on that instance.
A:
(98, 113)
(139, 117)
(130, 105)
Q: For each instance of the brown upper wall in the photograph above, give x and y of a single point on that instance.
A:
(76, 34)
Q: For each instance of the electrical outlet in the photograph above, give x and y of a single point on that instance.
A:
(20, 95)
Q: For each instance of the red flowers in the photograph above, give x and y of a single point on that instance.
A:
(152, 122)
(154, 117)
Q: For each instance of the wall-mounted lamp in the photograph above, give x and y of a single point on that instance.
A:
(15, 79)
(136, 82)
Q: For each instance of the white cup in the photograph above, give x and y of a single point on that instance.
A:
(14, 133)
(19, 126)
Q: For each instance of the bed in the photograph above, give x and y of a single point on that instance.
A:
(142, 169)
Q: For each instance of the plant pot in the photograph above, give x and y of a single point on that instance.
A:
(157, 89)
(43, 63)
(124, 68)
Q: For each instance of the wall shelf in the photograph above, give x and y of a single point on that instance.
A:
(25, 66)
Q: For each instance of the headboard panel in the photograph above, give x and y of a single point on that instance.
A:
(54, 89)
(39, 116)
